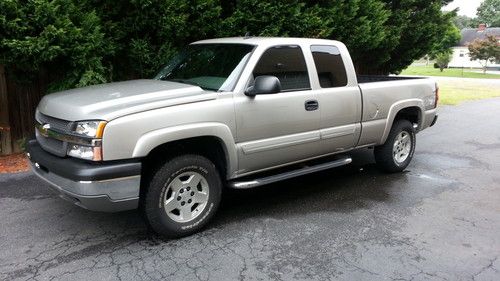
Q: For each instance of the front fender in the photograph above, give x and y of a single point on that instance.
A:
(153, 139)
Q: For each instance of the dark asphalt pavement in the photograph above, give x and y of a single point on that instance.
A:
(439, 220)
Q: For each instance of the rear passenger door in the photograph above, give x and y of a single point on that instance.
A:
(339, 99)
(277, 129)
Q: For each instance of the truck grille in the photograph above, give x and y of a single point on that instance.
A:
(56, 124)
(51, 145)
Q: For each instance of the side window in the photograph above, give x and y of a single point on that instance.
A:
(330, 67)
(288, 64)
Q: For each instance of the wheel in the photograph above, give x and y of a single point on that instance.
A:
(397, 151)
(182, 196)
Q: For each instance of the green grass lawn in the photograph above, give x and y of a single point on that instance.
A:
(449, 72)
(455, 92)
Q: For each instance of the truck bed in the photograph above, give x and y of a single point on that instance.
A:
(380, 93)
(382, 78)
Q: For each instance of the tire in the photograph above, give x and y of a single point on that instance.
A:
(182, 196)
(394, 156)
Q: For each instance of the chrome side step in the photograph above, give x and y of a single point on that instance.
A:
(288, 175)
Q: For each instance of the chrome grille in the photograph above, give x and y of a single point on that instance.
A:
(59, 125)
(51, 145)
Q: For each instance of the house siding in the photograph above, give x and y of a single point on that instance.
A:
(461, 58)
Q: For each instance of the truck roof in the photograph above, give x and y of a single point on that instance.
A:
(266, 41)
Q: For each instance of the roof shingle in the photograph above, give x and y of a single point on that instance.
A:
(470, 34)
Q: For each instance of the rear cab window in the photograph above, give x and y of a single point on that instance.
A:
(329, 66)
(288, 64)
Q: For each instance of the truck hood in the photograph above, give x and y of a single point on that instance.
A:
(113, 100)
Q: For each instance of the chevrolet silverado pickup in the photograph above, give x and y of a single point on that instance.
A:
(223, 113)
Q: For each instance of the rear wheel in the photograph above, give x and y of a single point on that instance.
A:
(182, 196)
(397, 151)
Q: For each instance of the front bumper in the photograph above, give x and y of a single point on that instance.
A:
(107, 186)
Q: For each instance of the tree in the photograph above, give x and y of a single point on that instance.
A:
(462, 22)
(363, 26)
(485, 50)
(442, 60)
(449, 38)
(87, 42)
(273, 18)
(441, 50)
(410, 32)
(383, 36)
(146, 33)
(489, 13)
(58, 36)
(93, 41)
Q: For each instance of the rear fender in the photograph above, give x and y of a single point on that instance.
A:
(396, 108)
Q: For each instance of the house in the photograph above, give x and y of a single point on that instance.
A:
(461, 57)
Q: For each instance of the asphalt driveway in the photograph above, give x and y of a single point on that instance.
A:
(439, 220)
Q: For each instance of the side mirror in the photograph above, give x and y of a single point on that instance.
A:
(264, 85)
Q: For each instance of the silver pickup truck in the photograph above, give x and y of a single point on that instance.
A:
(223, 113)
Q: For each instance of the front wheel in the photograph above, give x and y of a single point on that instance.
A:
(182, 196)
(397, 151)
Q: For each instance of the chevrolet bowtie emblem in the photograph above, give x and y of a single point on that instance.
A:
(44, 130)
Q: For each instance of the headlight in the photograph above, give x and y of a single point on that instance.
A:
(93, 153)
(93, 129)
(89, 146)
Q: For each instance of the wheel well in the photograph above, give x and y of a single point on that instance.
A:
(411, 114)
(207, 146)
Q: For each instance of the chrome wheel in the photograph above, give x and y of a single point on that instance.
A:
(186, 197)
(402, 147)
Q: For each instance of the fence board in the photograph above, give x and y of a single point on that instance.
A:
(5, 136)
(18, 102)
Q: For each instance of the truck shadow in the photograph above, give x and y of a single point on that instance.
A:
(341, 190)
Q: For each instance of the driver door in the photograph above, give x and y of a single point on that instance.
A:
(277, 129)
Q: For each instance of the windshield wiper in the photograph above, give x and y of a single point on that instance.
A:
(184, 81)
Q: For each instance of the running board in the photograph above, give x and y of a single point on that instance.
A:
(288, 175)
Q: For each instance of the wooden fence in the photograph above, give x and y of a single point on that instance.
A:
(18, 102)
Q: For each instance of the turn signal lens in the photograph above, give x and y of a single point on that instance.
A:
(100, 129)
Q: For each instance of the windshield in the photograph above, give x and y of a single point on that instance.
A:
(215, 67)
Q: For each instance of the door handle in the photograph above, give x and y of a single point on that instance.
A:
(311, 105)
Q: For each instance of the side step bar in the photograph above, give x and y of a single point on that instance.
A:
(288, 175)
